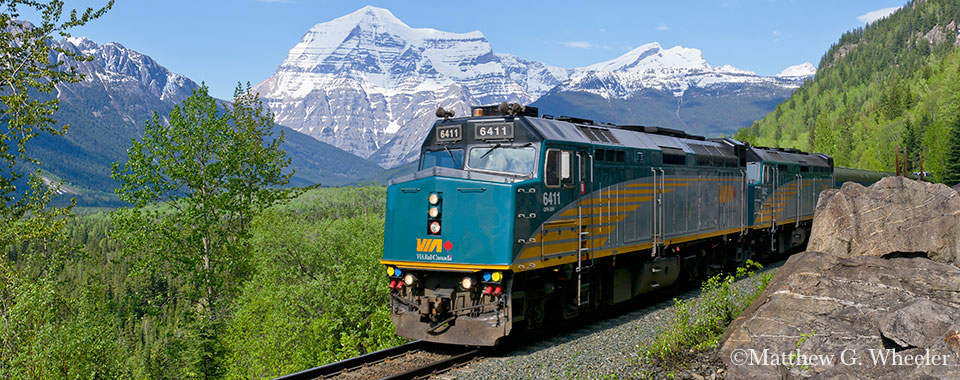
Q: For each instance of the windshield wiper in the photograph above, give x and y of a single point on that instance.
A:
(451, 155)
(491, 150)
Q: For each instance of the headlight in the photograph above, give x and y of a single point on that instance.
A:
(435, 227)
(434, 198)
(466, 283)
(434, 212)
(409, 279)
(390, 271)
(497, 276)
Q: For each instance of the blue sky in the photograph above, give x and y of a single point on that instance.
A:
(223, 42)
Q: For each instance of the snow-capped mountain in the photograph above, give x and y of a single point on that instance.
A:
(127, 73)
(122, 88)
(803, 70)
(674, 70)
(366, 79)
(368, 83)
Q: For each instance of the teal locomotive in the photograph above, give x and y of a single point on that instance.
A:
(514, 219)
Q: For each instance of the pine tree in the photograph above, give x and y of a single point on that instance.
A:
(913, 144)
(952, 173)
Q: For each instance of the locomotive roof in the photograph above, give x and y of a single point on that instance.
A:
(574, 132)
(774, 155)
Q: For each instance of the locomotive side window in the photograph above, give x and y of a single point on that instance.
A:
(447, 158)
(558, 170)
(753, 172)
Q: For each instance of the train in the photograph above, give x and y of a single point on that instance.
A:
(515, 219)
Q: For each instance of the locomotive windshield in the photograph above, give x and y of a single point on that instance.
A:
(503, 159)
(445, 158)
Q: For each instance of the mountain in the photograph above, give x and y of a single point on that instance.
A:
(369, 84)
(121, 90)
(894, 83)
(674, 88)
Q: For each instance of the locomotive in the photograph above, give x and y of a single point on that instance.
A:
(514, 218)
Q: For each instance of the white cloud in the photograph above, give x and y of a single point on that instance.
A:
(578, 44)
(872, 16)
(661, 27)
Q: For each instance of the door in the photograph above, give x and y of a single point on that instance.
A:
(562, 192)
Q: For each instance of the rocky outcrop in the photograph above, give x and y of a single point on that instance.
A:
(894, 215)
(830, 317)
(874, 306)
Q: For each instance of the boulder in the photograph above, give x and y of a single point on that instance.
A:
(824, 316)
(894, 215)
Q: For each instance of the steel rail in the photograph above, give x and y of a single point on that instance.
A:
(436, 367)
(354, 362)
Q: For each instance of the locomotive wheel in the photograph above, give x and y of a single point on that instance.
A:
(535, 319)
(743, 254)
(693, 271)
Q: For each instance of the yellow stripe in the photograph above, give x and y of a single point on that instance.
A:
(627, 192)
(442, 266)
(765, 224)
(604, 201)
(609, 251)
(665, 184)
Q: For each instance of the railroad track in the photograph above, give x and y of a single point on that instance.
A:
(414, 360)
(419, 359)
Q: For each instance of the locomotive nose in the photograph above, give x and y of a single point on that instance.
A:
(448, 220)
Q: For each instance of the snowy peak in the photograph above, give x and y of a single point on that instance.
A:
(805, 69)
(376, 37)
(673, 70)
(653, 57)
(368, 83)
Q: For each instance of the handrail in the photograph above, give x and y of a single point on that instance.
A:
(653, 212)
(743, 202)
(663, 187)
(799, 198)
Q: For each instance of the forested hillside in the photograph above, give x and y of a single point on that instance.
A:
(895, 82)
(310, 292)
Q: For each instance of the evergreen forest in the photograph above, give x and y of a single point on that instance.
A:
(894, 83)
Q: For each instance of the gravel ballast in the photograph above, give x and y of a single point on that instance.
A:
(602, 349)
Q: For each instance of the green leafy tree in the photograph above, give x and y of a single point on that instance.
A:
(195, 183)
(47, 330)
(27, 75)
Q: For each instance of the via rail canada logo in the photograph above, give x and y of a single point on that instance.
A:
(430, 248)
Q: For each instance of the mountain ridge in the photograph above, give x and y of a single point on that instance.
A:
(122, 89)
(368, 83)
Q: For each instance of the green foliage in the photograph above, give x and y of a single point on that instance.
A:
(196, 183)
(26, 72)
(313, 293)
(48, 330)
(318, 295)
(878, 88)
(699, 323)
(952, 176)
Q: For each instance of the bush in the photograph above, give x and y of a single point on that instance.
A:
(698, 323)
(319, 293)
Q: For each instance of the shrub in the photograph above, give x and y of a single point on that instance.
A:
(698, 323)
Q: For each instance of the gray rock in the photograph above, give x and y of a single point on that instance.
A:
(894, 215)
(865, 307)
